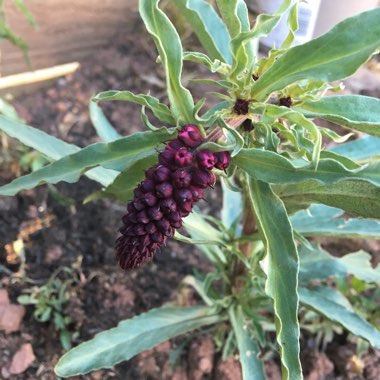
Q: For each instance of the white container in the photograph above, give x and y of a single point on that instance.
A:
(307, 17)
(315, 17)
(331, 12)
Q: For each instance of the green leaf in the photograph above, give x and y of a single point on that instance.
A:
(282, 279)
(361, 113)
(271, 167)
(360, 149)
(333, 56)
(209, 28)
(8, 111)
(20, 4)
(6, 33)
(214, 66)
(318, 264)
(51, 147)
(169, 47)
(232, 206)
(133, 336)
(161, 111)
(199, 229)
(122, 187)
(252, 366)
(119, 155)
(264, 24)
(320, 220)
(103, 127)
(235, 15)
(272, 113)
(358, 198)
(233, 137)
(335, 307)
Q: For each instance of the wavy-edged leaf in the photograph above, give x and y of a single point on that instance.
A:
(209, 28)
(169, 47)
(321, 220)
(318, 264)
(264, 24)
(117, 155)
(215, 66)
(336, 307)
(358, 198)
(271, 167)
(361, 113)
(361, 149)
(236, 17)
(103, 127)
(273, 113)
(133, 336)
(233, 137)
(122, 187)
(333, 56)
(252, 366)
(160, 110)
(51, 147)
(282, 281)
(199, 229)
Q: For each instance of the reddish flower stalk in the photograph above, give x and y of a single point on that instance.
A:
(167, 195)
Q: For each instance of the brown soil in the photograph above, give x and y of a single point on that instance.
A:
(103, 294)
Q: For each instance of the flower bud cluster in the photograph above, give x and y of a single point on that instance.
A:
(166, 195)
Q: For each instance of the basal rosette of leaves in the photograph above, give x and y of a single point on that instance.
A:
(281, 186)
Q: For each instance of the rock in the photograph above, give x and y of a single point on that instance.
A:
(22, 359)
(10, 315)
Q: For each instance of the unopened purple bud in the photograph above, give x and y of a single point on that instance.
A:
(222, 160)
(181, 178)
(206, 159)
(197, 192)
(131, 217)
(203, 178)
(139, 230)
(149, 199)
(150, 172)
(164, 226)
(162, 174)
(183, 157)
(186, 207)
(157, 237)
(168, 205)
(150, 228)
(175, 219)
(166, 157)
(130, 207)
(142, 217)
(155, 213)
(190, 135)
(164, 190)
(147, 186)
(138, 204)
(184, 195)
(175, 145)
(138, 193)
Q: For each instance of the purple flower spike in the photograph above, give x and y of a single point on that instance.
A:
(166, 196)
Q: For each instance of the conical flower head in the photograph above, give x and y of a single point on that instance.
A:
(165, 196)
